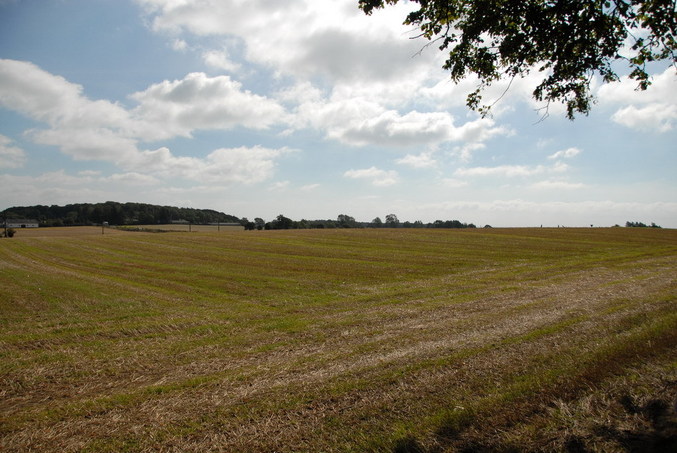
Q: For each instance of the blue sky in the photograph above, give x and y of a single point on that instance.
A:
(308, 109)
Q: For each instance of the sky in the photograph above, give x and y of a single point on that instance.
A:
(310, 109)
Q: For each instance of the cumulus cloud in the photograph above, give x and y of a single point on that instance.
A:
(225, 165)
(370, 70)
(377, 177)
(132, 179)
(27, 89)
(168, 109)
(389, 128)
(278, 186)
(650, 110)
(508, 171)
(565, 153)
(557, 185)
(454, 183)
(81, 143)
(657, 116)
(105, 131)
(299, 38)
(245, 165)
(423, 160)
(179, 45)
(220, 59)
(364, 122)
(511, 171)
(10, 156)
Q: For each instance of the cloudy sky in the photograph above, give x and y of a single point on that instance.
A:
(310, 109)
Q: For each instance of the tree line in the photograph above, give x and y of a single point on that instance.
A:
(115, 214)
(282, 222)
(640, 225)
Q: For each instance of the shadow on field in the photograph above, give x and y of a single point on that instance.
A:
(662, 436)
(658, 416)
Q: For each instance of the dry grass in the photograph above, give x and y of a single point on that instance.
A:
(344, 340)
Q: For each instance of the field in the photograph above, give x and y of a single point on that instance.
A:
(386, 340)
(183, 227)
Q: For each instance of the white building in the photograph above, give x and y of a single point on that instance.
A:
(22, 223)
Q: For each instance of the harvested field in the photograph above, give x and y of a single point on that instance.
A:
(387, 340)
(183, 227)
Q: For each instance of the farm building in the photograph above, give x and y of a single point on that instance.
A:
(21, 223)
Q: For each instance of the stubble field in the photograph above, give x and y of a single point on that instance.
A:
(386, 340)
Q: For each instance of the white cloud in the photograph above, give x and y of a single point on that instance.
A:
(464, 152)
(245, 165)
(511, 171)
(220, 59)
(302, 38)
(423, 160)
(100, 130)
(280, 185)
(557, 185)
(389, 128)
(168, 109)
(565, 153)
(503, 94)
(364, 122)
(662, 90)
(370, 70)
(660, 117)
(508, 171)
(543, 142)
(453, 183)
(165, 110)
(377, 177)
(27, 89)
(224, 166)
(132, 179)
(309, 187)
(651, 110)
(559, 167)
(179, 45)
(89, 143)
(10, 156)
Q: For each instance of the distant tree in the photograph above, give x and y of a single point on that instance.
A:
(247, 224)
(392, 221)
(346, 221)
(260, 223)
(281, 223)
(570, 40)
(641, 225)
(377, 223)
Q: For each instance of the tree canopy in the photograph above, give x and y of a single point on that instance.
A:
(569, 40)
(115, 213)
